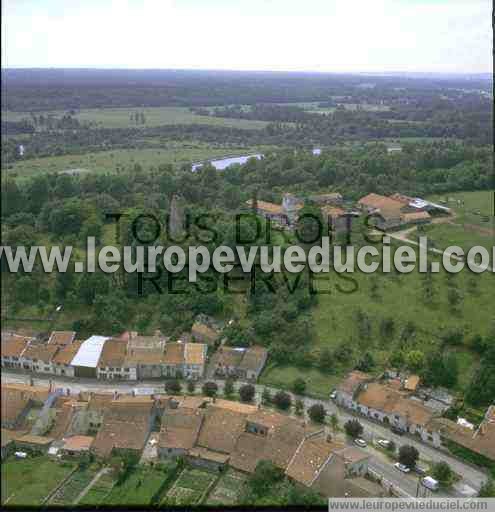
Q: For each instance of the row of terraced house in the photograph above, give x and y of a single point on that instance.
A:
(127, 357)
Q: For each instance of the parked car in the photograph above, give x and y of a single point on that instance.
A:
(430, 483)
(333, 395)
(20, 455)
(384, 443)
(402, 467)
(360, 442)
(397, 430)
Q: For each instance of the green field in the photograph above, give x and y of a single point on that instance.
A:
(119, 159)
(399, 297)
(473, 223)
(28, 482)
(155, 116)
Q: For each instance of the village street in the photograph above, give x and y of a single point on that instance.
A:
(472, 476)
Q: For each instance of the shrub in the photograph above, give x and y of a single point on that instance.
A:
(210, 388)
(299, 386)
(282, 400)
(173, 387)
(353, 428)
(317, 413)
(408, 455)
(247, 392)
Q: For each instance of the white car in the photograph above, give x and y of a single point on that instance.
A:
(401, 467)
(360, 442)
(384, 443)
(333, 395)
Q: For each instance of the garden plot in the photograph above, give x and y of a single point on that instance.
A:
(228, 489)
(98, 491)
(73, 487)
(189, 488)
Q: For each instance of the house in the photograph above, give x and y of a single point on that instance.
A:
(327, 466)
(75, 446)
(393, 407)
(179, 431)
(61, 338)
(411, 383)
(113, 363)
(336, 218)
(271, 211)
(376, 202)
(416, 218)
(194, 360)
(12, 347)
(146, 361)
(61, 362)
(239, 362)
(33, 443)
(17, 400)
(349, 387)
(252, 363)
(85, 361)
(285, 214)
(269, 436)
(184, 359)
(38, 357)
(126, 426)
(203, 333)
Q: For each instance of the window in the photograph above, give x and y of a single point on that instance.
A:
(126, 370)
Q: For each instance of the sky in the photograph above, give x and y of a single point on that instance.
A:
(294, 35)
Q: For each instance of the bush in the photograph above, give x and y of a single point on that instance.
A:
(191, 386)
(173, 387)
(317, 413)
(299, 386)
(353, 428)
(210, 388)
(282, 400)
(247, 392)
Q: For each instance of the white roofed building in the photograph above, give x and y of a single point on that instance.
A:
(86, 359)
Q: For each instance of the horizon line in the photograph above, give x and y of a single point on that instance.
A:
(231, 70)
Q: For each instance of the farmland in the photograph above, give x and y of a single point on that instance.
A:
(154, 116)
(28, 482)
(120, 159)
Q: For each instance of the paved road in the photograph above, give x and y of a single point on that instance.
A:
(471, 476)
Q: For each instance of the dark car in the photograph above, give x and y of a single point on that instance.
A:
(397, 430)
